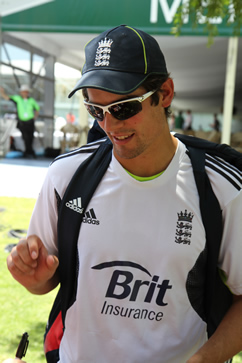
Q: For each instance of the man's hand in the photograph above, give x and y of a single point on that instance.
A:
(3, 94)
(32, 266)
(226, 342)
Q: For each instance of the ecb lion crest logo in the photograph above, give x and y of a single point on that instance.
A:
(184, 228)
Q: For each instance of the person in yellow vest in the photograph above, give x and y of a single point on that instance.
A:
(27, 112)
(13, 360)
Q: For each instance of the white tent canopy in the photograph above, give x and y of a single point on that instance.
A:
(8, 7)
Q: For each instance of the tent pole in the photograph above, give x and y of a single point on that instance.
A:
(229, 89)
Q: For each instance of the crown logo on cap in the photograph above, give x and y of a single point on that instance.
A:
(105, 43)
(103, 52)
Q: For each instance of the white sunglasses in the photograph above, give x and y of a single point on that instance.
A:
(120, 110)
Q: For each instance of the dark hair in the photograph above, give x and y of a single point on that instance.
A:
(155, 82)
(151, 83)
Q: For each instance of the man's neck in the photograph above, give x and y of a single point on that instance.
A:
(144, 166)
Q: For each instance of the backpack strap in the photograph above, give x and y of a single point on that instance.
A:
(217, 296)
(223, 151)
(82, 185)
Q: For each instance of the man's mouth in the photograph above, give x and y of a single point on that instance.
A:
(122, 137)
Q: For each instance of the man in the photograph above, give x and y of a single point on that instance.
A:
(216, 123)
(179, 121)
(27, 112)
(132, 300)
(188, 121)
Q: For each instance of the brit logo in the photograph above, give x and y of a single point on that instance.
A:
(103, 53)
(132, 292)
(184, 227)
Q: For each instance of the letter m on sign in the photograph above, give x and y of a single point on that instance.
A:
(168, 12)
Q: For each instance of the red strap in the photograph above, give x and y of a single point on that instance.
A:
(54, 335)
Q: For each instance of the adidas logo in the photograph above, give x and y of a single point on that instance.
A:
(75, 205)
(90, 217)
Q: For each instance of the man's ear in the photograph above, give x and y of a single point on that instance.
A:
(167, 92)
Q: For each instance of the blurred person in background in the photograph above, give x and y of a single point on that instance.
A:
(179, 121)
(27, 112)
(187, 125)
(13, 360)
(216, 124)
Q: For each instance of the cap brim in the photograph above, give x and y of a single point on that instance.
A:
(110, 81)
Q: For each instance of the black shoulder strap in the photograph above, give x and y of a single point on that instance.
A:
(82, 185)
(223, 151)
(217, 296)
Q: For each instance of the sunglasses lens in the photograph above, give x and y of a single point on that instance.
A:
(95, 112)
(123, 111)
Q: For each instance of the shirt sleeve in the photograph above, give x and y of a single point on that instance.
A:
(14, 98)
(230, 257)
(35, 104)
(44, 218)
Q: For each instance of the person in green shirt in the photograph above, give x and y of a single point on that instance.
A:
(13, 360)
(27, 112)
(179, 121)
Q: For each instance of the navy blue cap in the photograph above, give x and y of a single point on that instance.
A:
(119, 60)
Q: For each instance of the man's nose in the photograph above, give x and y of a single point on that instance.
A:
(110, 122)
